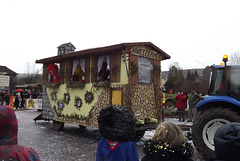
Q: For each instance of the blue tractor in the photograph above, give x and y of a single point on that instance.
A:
(219, 107)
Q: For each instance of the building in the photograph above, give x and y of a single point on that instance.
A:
(7, 79)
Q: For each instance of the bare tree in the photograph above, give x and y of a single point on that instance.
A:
(32, 75)
(235, 58)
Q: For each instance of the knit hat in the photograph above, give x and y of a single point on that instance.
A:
(117, 123)
(227, 142)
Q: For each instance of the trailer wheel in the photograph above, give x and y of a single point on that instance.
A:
(58, 126)
(82, 127)
(205, 126)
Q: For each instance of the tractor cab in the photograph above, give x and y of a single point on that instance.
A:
(224, 80)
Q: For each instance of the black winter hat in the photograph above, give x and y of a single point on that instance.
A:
(117, 123)
(227, 142)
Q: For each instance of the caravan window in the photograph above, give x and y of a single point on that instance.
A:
(145, 67)
(103, 65)
(78, 70)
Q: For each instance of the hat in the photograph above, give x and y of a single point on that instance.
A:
(117, 123)
(193, 89)
(227, 142)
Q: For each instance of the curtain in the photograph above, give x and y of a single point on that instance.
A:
(100, 62)
(108, 61)
(75, 64)
(82, 63)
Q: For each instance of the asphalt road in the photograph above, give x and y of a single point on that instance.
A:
(71, 144)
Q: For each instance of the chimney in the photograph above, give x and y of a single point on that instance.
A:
(66, 48)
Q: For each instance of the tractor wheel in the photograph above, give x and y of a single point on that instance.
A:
(205, 126)
(58, 126)
(82, 127)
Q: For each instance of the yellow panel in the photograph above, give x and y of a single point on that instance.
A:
(117, 97)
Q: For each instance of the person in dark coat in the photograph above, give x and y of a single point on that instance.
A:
(227, 142)
(9, 148)
(168, 144)
(25, 96)
(193, 100)
(2, 97)
(181, 105)
(7, 97)
(117, 127)
(17, 102)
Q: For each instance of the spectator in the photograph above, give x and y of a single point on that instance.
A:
(9, 148)
(25, 95)
(227, 142)
(2, 97)
(18, 100)
(181, 105)
(7, 97)
(193, 100)
(34, 94)
(168, 144)
(117, 127)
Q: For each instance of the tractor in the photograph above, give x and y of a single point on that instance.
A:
(219, 107)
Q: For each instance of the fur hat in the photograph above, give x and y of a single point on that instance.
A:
(227, 142)
(117, 123)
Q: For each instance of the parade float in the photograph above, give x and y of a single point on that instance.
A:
(78, 84)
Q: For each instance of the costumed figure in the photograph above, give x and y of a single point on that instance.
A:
(12, 101)
(104, 73)
(168, 144)
(9, 148)
(78, 74)
(53, 73)
(117, 127)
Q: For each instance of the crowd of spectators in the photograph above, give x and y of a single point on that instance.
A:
(20, 97)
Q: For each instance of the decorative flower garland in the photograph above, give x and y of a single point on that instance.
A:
(75, 84)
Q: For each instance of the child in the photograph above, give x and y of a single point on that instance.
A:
(117, 127)
(168, 144)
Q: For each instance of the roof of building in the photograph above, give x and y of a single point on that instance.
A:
(62, 45)
(6, 71)
(29, 85)
(102, 50)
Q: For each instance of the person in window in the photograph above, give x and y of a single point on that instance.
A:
(9, 148)
(53, 73)
(104, 73)
(78, 74)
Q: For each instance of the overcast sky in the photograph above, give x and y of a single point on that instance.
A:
(194, 33)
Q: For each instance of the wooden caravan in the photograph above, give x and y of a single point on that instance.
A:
(81, 83)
